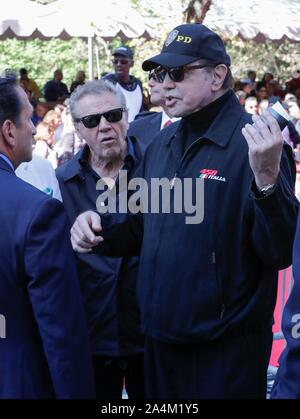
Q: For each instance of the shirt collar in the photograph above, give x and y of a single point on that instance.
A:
(76, 165)
(130, 148)
(165, 118)
(83, 154)
(6, 159)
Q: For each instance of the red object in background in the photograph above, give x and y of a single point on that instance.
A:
(282, 296)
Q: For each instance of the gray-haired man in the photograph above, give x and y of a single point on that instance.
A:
(108, 284)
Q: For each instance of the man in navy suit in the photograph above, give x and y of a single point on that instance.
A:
(147, 125)
(44, 350)
(287, 382)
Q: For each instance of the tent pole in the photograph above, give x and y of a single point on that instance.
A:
(97, 61)
(90, 48)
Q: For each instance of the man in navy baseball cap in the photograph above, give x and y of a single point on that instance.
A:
(130, 85)
(124, 51)
(207, 290)
(188, 43)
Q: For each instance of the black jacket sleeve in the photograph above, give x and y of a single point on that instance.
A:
(123, 239)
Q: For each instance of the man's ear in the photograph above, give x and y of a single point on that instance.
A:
(8, 132)
(132, 63)
(219, 74)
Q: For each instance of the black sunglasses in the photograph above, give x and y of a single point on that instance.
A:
(177, 73)
(91, 121)
(152, 75)
(122, 61)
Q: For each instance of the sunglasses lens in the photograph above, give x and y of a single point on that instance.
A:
(152, 75)
(176, 74)
(91, 121)
(160, 75)
(121, 61)
(114, 115)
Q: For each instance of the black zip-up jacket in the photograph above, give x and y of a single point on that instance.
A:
(217, 278)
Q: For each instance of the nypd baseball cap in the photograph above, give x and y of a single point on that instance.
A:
(188, 43)
(125, 51)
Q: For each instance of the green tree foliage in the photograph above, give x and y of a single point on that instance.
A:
(279, 59)
(41, 58)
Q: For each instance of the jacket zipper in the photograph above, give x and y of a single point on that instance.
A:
(222, 311)
(181, 161)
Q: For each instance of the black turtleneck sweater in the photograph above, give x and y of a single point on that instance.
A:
(196, 124)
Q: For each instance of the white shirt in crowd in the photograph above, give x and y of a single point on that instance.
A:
(39, 173)
(165, 118)
(134, 101)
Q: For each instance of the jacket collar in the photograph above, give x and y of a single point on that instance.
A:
(74, 167)
(222, 128)
(5, 166)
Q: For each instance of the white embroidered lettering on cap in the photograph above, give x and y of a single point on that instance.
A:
(185, 39)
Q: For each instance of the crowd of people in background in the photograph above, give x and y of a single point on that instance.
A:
(56, 139)
(256, 96)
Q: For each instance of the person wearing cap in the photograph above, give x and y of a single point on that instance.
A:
(147, 125)
(130, 86)
(207, 287)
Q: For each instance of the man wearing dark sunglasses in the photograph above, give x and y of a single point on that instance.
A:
(100, 115)
(148, 124)
(207, 291)
(130, 86)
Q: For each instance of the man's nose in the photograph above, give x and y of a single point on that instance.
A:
(104, 125)
(168, 83)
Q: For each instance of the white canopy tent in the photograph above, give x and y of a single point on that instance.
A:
(65, 19)
(259, 20)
